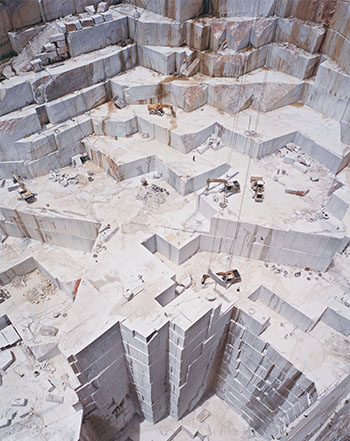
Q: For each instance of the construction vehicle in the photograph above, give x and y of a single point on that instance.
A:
(223, 278)
(257, 182)
(25, 194)
(258, 187)
(158, 109)
(258, 196)
(229, 187)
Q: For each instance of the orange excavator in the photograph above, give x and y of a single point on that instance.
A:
(225, 279)
(158, 109)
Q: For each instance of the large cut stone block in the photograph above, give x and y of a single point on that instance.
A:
(23, 12)
(75, 104)
(57, 8)
(151, 32)
(238, 34)
(14, 94)
(197, 35)
(247, 8)
(97, 37)
(318, 12)
(217, 34)
(5, 26)
(16, 126)
(19, 39)
(341, 19)
(35, 146)
(332, 80)
(305, 36)
(233, 65)
(263, 31)
(85, 72)
(335, 45)
(292, 61)
(345, 132)
(188, 98)
(162, 60)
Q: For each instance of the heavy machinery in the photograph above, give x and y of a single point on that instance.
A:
(257, 182)
(258, 187)
(25, 194)
(158, 109)
(229, 187)
(223, 278)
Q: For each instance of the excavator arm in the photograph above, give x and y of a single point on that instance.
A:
(213, 180)
(26, 194)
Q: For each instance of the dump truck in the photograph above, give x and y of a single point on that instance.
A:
(229, 186)
(158, 109)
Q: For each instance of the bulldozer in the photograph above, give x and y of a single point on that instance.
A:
(223, 278)
(25, 194)
(158, 109)
(229, 187)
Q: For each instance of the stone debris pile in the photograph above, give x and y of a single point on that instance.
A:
(54, 51)
(152, 195)
(64, 179)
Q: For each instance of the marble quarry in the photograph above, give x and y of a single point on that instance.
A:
(174, 220)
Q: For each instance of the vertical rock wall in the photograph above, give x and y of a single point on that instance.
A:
(257, 382)
(105, 391)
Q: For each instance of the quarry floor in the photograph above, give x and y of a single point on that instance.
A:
(221, 423)
(114, 267)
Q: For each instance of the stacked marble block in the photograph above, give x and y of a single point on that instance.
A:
(267, 390)
(194, 355)
(57, 101)
(147, 359)
(105, 390)
(20, 15)
(54, 51)
(52, 149)
(279, 43)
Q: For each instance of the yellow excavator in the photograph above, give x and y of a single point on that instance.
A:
(26, 194)
(224, 278)
(229, 187)
(158, 109)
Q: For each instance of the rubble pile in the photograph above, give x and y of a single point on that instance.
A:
(35, 287)
(64, 179)
(152, 195)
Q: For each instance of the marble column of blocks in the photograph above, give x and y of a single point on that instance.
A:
(256, 381)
